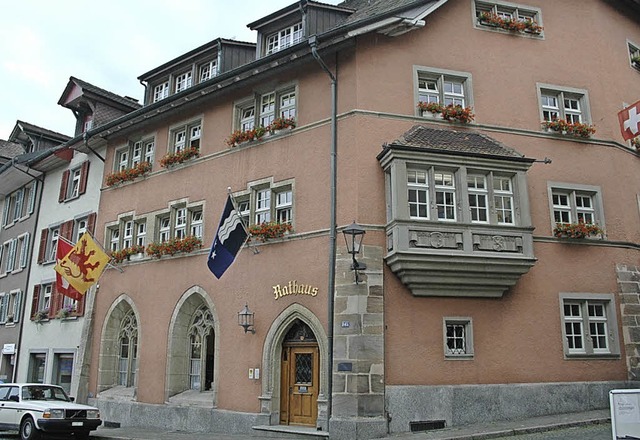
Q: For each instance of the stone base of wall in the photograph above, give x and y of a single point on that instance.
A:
(178, 418)
(468, 404)
(357, 428)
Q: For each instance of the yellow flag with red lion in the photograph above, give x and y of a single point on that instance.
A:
(84, 264)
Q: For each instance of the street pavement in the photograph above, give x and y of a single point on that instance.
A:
(591, 425)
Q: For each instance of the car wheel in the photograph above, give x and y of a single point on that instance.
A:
(82, 435)
(28, 430)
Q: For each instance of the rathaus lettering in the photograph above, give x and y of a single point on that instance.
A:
(293, 288)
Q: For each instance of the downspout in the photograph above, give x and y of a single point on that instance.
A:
(85, 139)
(313, 42)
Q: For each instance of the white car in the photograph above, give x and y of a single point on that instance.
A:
(35, 408)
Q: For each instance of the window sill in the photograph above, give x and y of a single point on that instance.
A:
(458, 357)
(498, 29)
(585, 356)
(70, 199)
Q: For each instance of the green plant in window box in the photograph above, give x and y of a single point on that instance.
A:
(65, 312)
(281, 124)
(126, 253)
(185, 245)
(128, 174)
(577, 230)
(431, 107)
(635, 60)
(510, 24)
(41, 315)
(268, 230)
(238, 137)
(170, 159)
(635, 142)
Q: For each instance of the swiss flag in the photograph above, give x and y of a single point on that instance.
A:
(630, 121)
(62, 285)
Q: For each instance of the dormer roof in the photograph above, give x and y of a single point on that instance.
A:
(77, 90)
(294, 8)
(24, 132)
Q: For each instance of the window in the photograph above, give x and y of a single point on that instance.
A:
(589, 325)
(161, 91)
(137, 152)
(266, 202)
(37, 363)
(14, 254)
(186, 136)
(183, 82)
(284, 38)
(42, 299)
(569, 104)
(200, 350)
(493, 204)
(458, 338)
(443, 86)
(126, 233)
(52, 244)
(208, 70)
(128, 345)
(508, 11)
(575, 204)
(19, 204)
(62, 370)
(181, 221)
(10, 307)
(8, 255)
(74, 182)
(271, 105)
(634, 54)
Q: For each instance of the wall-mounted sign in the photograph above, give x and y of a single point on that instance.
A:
(9, 349)
(293, 288)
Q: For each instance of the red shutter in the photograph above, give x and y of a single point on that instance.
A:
(63, 186)
(43, 245)
(91, 223)
(80, 304)
(35, 300)
(66, 230)
(53, 302)
(84, 175)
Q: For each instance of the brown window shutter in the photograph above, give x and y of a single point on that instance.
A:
(80, 305)
(66, 230)
(63, 186)
(84, 176)
(55, 301)
(91, 223)
(35, 300)
(43, 245)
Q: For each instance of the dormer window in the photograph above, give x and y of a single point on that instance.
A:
(284, 38)
(161, 91)
(183, 82)
(88, 123)
(208, 70)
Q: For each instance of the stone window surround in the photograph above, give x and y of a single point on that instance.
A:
(560, 91)
(424, 71)
(529, 11)
(467, 322)
(594, 191)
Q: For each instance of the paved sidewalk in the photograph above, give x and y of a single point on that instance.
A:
(470, 432)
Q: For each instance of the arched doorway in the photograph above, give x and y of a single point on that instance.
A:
(300, 376)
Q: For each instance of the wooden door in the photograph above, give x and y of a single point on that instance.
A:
(300, 385)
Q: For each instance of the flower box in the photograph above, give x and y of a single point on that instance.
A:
(41, 315)
(126, 253)
(65, 312)
(266, 231)
(185, 245)
(577, 230)
(240, 137)
(279, 124)
(448, 113)
(576, 129)
(182, 156)
(526, 25)
(128, 174)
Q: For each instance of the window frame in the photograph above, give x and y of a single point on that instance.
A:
(440, 77)
(283, 38)
(10, 303)
(126, 232)
(611, 320)
(167, 225)
(249, 112)
(145, 146)
(249, 210)
(561, 94)
(573, 190)
(160, 91)
(185, 129)
(515, 10)
(634, 50)
(467, 324)
(19, 204)
(183, 81)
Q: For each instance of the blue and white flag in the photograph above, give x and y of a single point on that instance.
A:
(229, 238)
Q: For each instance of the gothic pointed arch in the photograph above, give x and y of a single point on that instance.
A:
(192, 352)
(118, 366)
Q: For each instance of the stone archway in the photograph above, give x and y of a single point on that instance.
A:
(271, 365)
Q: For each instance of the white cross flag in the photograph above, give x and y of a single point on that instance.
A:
(630, 121)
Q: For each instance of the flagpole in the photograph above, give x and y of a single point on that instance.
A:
(119, 269)
(252, 246)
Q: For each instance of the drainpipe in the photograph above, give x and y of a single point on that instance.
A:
(313, 42)
(85, 140)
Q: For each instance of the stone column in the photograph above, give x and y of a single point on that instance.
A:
(358, 404)
(629, 294)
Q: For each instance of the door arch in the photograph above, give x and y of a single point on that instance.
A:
(300, 376)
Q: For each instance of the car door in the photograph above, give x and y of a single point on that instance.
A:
(9, 406)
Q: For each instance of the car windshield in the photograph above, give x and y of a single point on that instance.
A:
(43, 392)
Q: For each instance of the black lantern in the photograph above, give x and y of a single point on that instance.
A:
(353, 235)
(245, 319)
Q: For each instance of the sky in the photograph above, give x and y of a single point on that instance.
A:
(108, 44)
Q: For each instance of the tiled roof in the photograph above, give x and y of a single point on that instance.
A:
(106, 94)
(366, 9)
(451, 141)
(31, 128)
(10, 149)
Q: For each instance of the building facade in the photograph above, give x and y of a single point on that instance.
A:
(476, 142)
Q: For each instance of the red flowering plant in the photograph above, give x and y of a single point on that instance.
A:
(431, 107)
(176, 245)
(635, 142)
(281, 124)
(510, 24)
(240, 136)
(125, 253)
(170, 159)
(128, 174)
(571, 128)
(266, 230)
(457, 113)
(577, 230)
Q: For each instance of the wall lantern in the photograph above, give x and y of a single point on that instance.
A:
(353, 235)
(245, 319)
